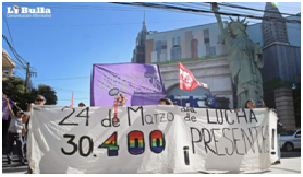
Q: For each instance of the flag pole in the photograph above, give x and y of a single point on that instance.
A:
(180, 85)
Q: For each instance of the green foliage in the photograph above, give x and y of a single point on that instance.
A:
(14, 88)
(189, 59)
(275, 83)
(48, 93)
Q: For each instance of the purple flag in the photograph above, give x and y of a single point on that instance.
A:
(141, 83)
(5, 111)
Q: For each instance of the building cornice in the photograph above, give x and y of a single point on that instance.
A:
(275, 43)
(6, 56)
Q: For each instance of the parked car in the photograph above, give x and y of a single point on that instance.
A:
(290, 140)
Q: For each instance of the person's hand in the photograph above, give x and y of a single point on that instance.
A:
(124, 99)
(16, 106)
(206, 86)
(6, 99)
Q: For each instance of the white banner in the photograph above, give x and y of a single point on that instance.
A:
(273, 134)
(149, 139)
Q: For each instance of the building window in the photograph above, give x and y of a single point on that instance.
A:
(206, 33)
(173, 41)
(219, 39)
(206, 40)
(179, 41)
(176, 53)
(5, 73)
(212, 51)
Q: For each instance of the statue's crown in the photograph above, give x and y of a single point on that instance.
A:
(237, 22)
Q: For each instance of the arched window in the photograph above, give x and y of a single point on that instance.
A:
(173, 41)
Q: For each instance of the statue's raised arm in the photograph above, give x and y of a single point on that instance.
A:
(224, 33)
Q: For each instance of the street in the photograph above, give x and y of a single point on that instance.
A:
(290, 164)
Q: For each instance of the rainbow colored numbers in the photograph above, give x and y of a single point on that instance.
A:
(111, 145)
(157, 143)
(136, 142)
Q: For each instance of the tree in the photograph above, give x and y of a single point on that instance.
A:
(48, 93)
(15, 90)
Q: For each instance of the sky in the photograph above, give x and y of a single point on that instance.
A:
(77, 35)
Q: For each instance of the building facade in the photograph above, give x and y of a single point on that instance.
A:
(8, 65)
(214, 72)
(139, 51)
(200, 46)
(282, 62)
(186, 43)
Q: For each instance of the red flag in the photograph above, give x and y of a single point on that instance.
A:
(187, 79)
(72, 103)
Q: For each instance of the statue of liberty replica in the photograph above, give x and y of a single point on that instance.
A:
(245, 59)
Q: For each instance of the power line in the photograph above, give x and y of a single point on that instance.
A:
(69, 90)
(94, 8)
(109, 24)
(221, 9)
(263, 4)
(64, 79)
(246, 8)
(164, 6)
(79, 7)
(18, 57)
(72, 83)
(9, 31)
(74, 98)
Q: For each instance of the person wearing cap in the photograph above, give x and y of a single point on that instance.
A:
(15, 133)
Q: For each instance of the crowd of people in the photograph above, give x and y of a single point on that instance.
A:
(18, 126)
(17, 131)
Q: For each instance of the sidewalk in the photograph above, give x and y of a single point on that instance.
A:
(15, 167)
(290, 164)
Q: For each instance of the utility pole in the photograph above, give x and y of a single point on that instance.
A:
(27, 80)
(27, 75)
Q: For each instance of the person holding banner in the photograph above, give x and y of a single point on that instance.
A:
(40, 100)
(119, 100)
(15, 133)
(250, 103)
(122, 99)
